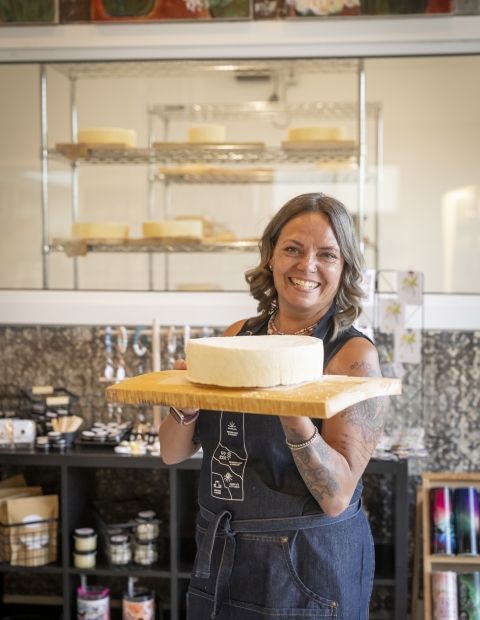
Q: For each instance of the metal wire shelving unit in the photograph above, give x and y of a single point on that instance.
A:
(225, 157)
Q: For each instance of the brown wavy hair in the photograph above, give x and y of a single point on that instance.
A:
(348, 299)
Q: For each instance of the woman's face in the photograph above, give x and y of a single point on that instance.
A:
(307, 264)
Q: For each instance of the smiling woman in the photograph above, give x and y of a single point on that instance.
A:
(281, 531)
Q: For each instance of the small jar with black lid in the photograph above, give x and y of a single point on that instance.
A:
(120, 549)
(148, 526)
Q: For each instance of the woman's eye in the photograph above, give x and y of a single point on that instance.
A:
(328, 256)
(292, 250)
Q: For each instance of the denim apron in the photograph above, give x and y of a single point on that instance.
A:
(266, 550)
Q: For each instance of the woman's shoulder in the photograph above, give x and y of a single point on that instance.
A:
(357, 357)
(235, 328)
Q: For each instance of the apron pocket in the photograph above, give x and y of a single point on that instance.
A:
(200, 607)
(264, 577)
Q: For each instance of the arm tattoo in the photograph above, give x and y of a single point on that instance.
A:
(369, 418)
(310, 463)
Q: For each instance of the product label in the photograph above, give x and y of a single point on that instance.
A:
(138, 611)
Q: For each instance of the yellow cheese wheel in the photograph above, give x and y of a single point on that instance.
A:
(263, 361)
(207, 133)
(100, 230)
(108, 135)
(319, 132)
(173, 228)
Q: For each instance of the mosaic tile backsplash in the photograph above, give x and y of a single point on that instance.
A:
(442, 394)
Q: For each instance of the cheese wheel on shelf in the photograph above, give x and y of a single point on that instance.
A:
(108, 135)
(318, 132)
(207, 133)
(260, 361)
(100, 230)
(173, 228)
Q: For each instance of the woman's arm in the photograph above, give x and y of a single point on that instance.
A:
(332, 465)
(176, 443)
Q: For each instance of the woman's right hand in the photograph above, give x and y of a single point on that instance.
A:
(182, 365)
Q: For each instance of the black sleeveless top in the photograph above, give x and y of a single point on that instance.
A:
(324, 331)
(247, 467)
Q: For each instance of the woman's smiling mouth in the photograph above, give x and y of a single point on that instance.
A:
(306, 285)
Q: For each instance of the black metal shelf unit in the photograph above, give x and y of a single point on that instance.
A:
(76, 471)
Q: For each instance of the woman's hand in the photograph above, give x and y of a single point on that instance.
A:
(176, 443)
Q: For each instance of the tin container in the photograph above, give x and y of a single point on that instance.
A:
(93, 603)
(444, 595)
(465, 509)
(442, 532)
(468, 596)
(138, 605)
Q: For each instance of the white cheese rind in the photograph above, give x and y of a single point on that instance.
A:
(318, 132)
(207, 133)
(258, 361)
(100, 230)
(173, 228)
(108, 135)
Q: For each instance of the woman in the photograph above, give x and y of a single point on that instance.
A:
(281, 533)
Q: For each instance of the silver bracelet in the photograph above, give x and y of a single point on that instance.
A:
(299, 446)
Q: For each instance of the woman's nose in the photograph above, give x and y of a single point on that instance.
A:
(308, 263)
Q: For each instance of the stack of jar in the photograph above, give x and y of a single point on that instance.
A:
(142, 547)
(85, 552)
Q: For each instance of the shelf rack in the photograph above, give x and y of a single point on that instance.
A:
(175, 68)
(77, 474)
(222, 154)
(431, 561)
(231, 247)
(264, 110)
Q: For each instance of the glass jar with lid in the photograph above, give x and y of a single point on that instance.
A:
(148, 526)
(145, 552)
(120, 549)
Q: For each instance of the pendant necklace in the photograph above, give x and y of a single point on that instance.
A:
(272, 330)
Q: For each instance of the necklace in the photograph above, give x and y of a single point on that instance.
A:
(272, 330)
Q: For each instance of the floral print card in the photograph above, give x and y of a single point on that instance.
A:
(410, 287)
(408, 346)
(392, 315)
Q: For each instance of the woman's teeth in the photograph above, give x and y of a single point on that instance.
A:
(305, 284)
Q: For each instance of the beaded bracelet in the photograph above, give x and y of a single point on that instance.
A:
(299, 446)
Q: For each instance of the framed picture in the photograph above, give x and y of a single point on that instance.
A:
(339, 8)
(153, 10)
(28, 11)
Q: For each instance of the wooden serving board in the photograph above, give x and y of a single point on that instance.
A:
(319, 399)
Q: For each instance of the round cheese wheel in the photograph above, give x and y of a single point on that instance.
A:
(108, 135)
(100, 230)
(207, 133)
(319, 132)
(260, 361)
(173, 228)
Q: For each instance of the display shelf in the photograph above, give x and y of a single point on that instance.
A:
(218, 154)
(265, 177)
(51, 569)
(166, 68)
(231, 247)
(457, 563)
(77, 467)
(263, 110)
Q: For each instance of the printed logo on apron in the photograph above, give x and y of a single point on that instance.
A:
(229, 458)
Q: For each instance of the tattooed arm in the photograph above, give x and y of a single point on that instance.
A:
(332, 465)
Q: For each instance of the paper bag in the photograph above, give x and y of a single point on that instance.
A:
(33, 542)
(6, 494)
